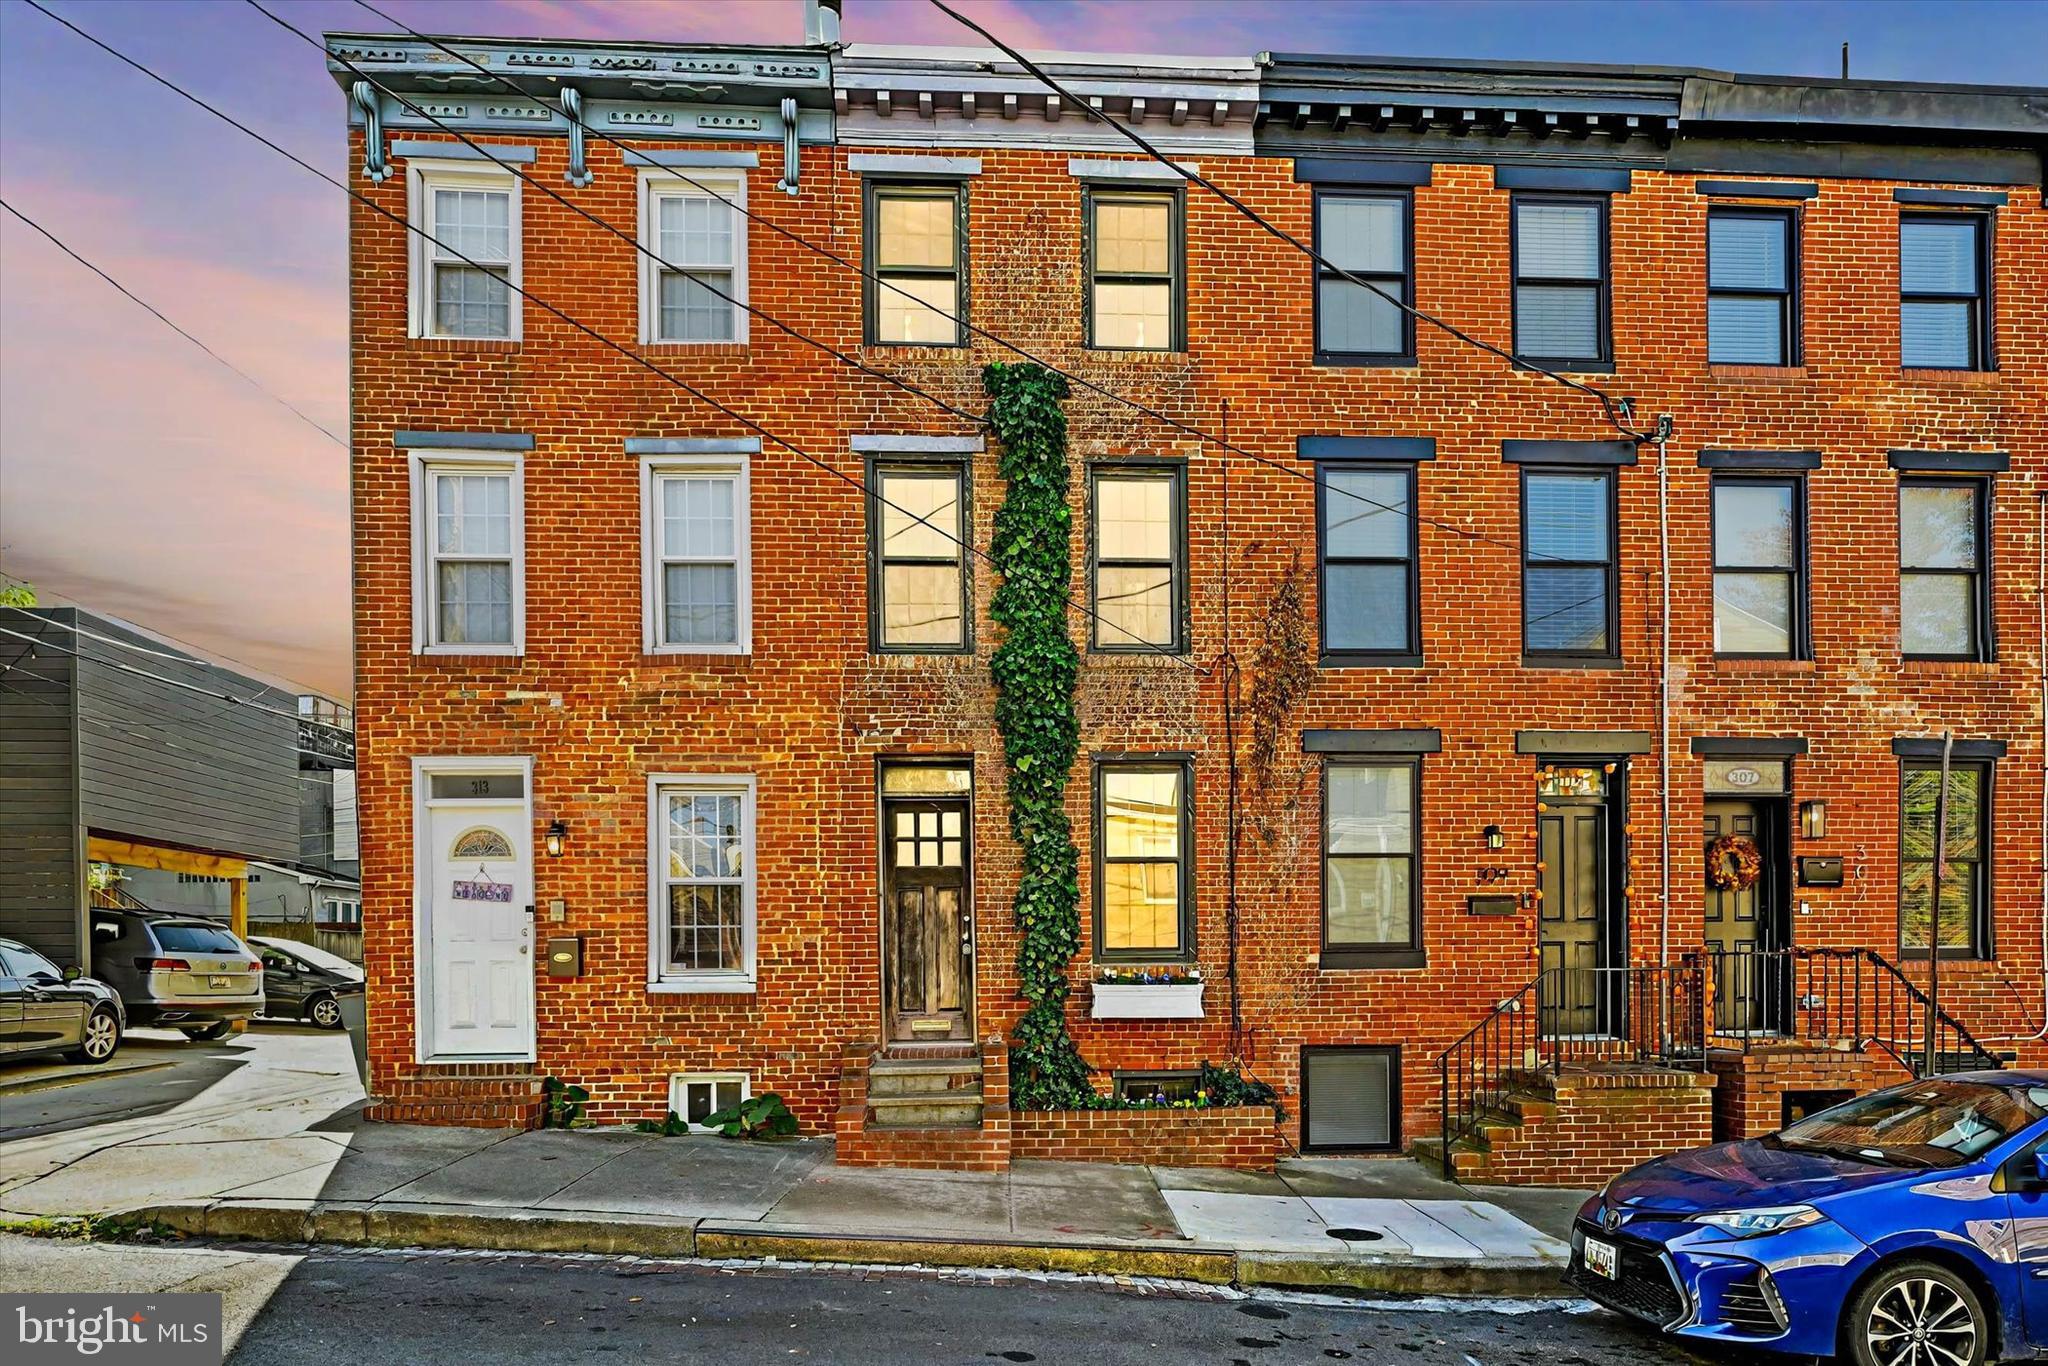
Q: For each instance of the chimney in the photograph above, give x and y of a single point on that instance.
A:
(821, 22)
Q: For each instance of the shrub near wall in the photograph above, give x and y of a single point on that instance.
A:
(1243, 1137)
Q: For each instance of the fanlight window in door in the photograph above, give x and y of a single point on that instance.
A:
(929, 839)
(481, 842)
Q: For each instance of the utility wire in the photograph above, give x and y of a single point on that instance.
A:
(157, 313)
(548, 307)
(175, 657)
(1080, 381)
(1608, 405)
(630, 239)
(40, 643)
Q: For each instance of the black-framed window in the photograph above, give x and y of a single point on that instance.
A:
(1372, 863)
(1158, 1087)
(1569, 568)
(1368, 598)
(1351, 1099)
(1759, 562)
(917, 245)
(1944, 291)
(1944, 551)
(1752, 287)
(1144, 817)
(1368, 234)
(920, 582)
(1560, 275)
(1137, 556)
(1135, 265)
(1965, 888)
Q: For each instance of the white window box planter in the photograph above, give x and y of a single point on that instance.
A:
(1146, 1001)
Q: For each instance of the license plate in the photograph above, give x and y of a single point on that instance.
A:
(220, 983)
(1603, 1259)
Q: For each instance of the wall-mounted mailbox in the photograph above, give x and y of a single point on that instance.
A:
(1492, 905)
(1820, 872)
(565, 956)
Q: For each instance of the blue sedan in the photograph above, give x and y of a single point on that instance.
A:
(1908, 1227)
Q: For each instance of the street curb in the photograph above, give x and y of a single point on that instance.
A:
(385, 1225)
(81, 1074)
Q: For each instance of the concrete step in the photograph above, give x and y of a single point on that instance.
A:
(894, 1078)
(926, 1110)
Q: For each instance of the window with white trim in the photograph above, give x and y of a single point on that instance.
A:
(469, 533)
(702, 880)
(465, 259)
(692, 222)
(694, 1097)
(697, 581)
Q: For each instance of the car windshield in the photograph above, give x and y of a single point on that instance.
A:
(190, 938)
(1940, 1122)
(319, 958)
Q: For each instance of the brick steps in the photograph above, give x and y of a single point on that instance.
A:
(1576, 1127)
(942, 1107)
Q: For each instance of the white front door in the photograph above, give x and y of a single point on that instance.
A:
(479, 931)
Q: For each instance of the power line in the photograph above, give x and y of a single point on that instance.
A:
(38, 642)
(585, 328)
(111, 727)
(157, 313)
(172, 655)
(630, 239)
(1608, 405)
(1081, 381)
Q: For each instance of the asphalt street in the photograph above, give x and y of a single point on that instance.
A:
(438, 1306)
(154, 1070)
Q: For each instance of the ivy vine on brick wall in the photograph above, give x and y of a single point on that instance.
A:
(1035, 671)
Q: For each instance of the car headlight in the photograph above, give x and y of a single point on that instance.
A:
(1751, 1223)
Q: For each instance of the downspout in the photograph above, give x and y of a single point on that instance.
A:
(2041, 701)
(1663, 438)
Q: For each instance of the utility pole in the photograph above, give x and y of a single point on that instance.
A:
(1931, 1066)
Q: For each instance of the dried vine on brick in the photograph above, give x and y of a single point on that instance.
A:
(1036, 669)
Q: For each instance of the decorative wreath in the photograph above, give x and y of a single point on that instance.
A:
(1733, 863)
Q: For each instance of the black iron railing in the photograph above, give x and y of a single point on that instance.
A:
(1851, 999)
(1650, 1015)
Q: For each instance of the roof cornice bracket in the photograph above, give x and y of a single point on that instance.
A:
(579, 173)
(376, 166)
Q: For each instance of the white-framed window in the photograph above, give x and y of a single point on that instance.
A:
(701, 883)
(343, 911)
(466, 256)
(696, 551)
(469, 550)
(695, 1096)
(689, 221)
(346, 844)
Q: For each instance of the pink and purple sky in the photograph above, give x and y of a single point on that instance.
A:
(140, 478)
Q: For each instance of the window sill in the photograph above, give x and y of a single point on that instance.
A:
(1530, 661)
(1531, 364)
(1738, 664)
(1967, 379)
(665, 653)
(469, 652)
(701, 986)
(1339, 360)
(485, 344)
(1987, 667)
(917, 350)
(1724, 370)
(1162, 658)
(1345, 960)
(1952, 958)
(1343, 660)
(703, 348)
(1143, 355)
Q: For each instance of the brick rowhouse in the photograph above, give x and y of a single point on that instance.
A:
(810, 713)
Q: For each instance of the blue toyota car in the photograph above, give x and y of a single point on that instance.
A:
(1908, 1227)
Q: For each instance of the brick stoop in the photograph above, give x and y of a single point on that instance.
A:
(475, 1096)
(1750, 1098)
(939, 1108)
(1578, 1127)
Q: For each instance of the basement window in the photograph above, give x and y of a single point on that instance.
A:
(695, 1096)
(1159, 1088)
(1350, 1099)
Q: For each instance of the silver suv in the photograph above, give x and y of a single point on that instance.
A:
(177, 970)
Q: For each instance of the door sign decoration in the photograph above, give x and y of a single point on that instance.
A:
(480, 844)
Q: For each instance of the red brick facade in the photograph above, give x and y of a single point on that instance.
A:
(810, 710)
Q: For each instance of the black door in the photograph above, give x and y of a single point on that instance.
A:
(1742, 923)
(928, 922)
(1573, 939)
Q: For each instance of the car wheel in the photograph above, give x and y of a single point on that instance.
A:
(324, 1011)
(207, 1033)
(102, 1035)
(1916, 1314)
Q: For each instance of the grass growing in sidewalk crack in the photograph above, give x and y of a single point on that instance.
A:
(96, 1228)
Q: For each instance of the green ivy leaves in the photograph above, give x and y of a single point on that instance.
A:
(1036, 669)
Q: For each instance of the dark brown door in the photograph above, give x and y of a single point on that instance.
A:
(928, 929)
(1739, 922)
(1572, 936)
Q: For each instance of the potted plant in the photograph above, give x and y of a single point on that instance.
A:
(1146, 993)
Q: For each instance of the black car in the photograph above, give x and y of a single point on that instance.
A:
(44, 1010)
(301, 982)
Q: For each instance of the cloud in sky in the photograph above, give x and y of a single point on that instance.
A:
(139, 477)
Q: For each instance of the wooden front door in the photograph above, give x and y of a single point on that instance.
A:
(1572, 941)
(1739, 924)
(928, 920)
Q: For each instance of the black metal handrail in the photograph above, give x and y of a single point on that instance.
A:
(1650, 1014)
(1850, 998)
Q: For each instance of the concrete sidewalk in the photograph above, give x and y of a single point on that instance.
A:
(275, 1150)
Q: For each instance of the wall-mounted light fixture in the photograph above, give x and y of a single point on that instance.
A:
(1494, 838)
(1813, 820)
(557, 836)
